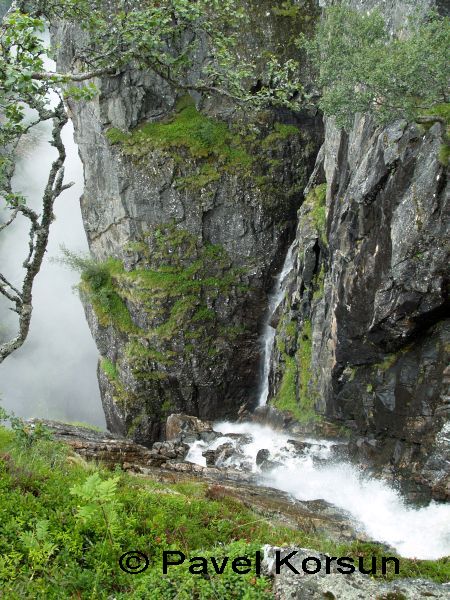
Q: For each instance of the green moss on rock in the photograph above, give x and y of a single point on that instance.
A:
(175, 285)
(189, 130)
(297, 393)
(315, 203)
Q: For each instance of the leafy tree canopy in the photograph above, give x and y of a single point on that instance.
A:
(362, 68)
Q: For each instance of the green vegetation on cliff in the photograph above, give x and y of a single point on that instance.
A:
(314, 208)
(176, 284)
(201, 136)
(205, 148)
(58, 546)
(297, 391)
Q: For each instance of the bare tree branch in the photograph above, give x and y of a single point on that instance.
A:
(52, 76)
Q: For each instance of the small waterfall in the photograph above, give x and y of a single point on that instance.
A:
(268, 334)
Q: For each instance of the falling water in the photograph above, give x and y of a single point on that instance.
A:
(315, 473)
(268, 334)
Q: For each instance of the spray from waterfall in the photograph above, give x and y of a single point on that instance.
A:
(53, 375)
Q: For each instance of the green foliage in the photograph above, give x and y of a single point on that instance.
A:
(362, 68)
(109, 368)
(286, 398)
(281, 132)
(25, 434)
(307, 380)
(97, 281)
(204, 149)
(318, 283)
(100, 506)
(58, 546)
(287, 9)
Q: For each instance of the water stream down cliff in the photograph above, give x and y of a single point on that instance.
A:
(317, 472)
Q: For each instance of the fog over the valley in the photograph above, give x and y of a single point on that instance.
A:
(54, 374)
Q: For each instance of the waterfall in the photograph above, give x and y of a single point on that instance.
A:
(315, 473)
(268, 334)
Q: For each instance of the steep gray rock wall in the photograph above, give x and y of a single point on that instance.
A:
(364, 335)
(189, 241)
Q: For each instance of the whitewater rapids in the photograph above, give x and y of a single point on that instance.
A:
(376, 507)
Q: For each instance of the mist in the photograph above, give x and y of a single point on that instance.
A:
(54, 374)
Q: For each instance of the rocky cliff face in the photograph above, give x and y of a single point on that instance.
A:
(189, 214)
(363, 336)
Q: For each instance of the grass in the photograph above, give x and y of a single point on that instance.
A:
(56, 545)
(319, 283)
(201, 137)
(281, 132)
(205, 148)
(110, 369)
(307, 381)
(443, 111)
(97, 281)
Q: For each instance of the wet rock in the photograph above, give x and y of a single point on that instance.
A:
(171, 450)
(367, 298)
(225, 452)
(268, 415)
(247, 215)
(210, 456)
(334, 585)
(269, 465)
(262, 456)
(188, 428)
(299, 446)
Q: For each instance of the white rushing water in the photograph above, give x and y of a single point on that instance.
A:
(376, 507)
(54, 374)
(268, 334)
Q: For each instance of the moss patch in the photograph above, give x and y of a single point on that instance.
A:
(109, 368)
(97, 281)
(188, 129)
(307, 381)
(204, 149)
(315, 203)
(297, 392)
